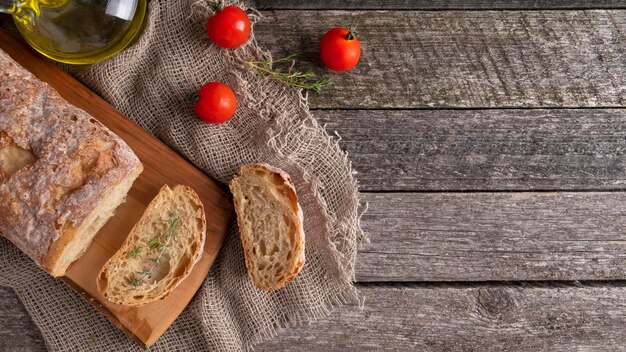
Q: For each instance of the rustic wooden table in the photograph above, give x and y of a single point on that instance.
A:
(490, 141)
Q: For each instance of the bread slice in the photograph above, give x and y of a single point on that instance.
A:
(160, 250)
(270, 223)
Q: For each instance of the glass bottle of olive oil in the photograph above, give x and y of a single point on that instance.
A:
(77, 31)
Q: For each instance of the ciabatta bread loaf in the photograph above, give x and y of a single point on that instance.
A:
(62, 173)
(270, 224)
(160, 250)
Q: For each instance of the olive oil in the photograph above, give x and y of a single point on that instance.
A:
(79, 31)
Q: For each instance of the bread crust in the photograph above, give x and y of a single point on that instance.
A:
(67, 235)
(102, 283)
(76, 163)
(289, 191)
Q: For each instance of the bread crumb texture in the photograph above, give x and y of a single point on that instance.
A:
(270, 223)
(160, 250)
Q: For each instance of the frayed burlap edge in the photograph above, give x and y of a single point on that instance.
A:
(337, 231)
(346, 271)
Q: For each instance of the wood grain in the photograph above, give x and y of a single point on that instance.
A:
(463, 59)
(477, 59)
(554, 317)
(435, 4)
(460, 318)
(146, 323)
(493, 236)
(17, 330)
(514, 149)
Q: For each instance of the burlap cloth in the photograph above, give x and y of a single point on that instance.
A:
(150, 82)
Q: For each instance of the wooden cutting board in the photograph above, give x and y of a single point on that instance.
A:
(161, 166)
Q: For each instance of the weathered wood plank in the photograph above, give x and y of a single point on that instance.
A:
(493, 236)
(17, 330)
(436, 318)
(494, 318)
(513, 149)
(435, 4)
(469, 59)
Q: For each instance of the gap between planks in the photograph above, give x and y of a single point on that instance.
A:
(503, 108)
(553, 284)
(399, 5)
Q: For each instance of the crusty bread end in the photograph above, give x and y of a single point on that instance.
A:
(270, 223)
(73, 241)
(62, 172)
(160, 250)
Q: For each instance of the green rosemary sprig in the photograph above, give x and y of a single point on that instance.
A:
(162, 243)
(169, 232)
(136, 252)
(145, 272)
(134, 281)
(304, 80)
(153, 243)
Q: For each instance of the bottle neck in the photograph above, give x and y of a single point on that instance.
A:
(11, 7)
(19, 9)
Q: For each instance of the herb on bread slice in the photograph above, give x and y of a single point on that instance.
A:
(270, 224)
(160, 250)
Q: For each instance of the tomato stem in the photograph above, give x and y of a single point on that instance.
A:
(351, 33)
(194, 96)
(216, 6)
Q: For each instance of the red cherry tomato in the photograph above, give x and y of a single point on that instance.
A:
(229, 28)
(339, 49)
(216, 103)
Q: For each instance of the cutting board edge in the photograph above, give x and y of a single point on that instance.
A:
(104, 311)
(218, 190)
